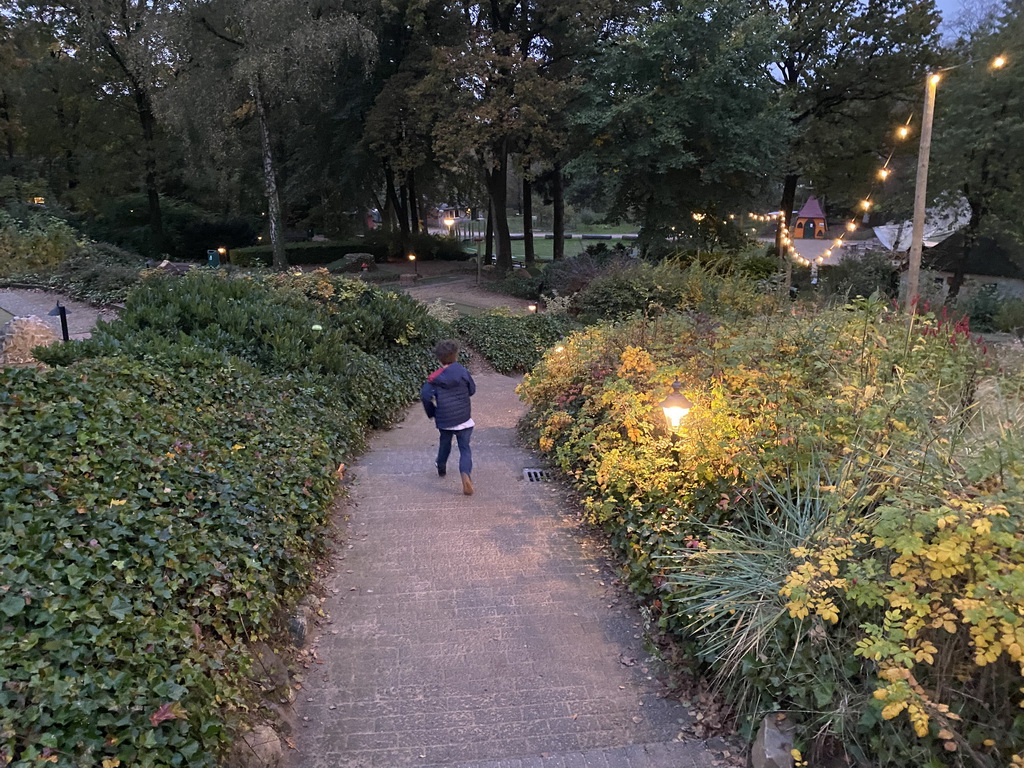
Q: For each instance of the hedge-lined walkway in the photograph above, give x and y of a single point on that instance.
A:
(476, 631)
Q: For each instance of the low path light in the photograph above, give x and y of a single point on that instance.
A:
(62, 312)
(415, 264)
(676, 406)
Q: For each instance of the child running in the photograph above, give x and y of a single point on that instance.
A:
(445, 397)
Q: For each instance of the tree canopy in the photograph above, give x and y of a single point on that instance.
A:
(308, 114)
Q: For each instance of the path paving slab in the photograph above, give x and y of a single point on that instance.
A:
(477, 631)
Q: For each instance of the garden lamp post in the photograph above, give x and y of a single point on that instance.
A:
(415, 265)
(675, 406)
(62, 312)
(921, 183)
(449, 222)
(532, 308)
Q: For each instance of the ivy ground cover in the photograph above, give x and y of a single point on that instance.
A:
(836, 531)
(163, 488)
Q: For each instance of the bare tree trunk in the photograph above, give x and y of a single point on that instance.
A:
(530, 257)
(148, 122)
(558, 214)
(497, 180)
(397, 198)
(5, 115)
(788, 201)
(269, 178)
(490, 230)
(415, 222)
(970, 240)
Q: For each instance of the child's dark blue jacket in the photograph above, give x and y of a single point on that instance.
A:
(446, 394)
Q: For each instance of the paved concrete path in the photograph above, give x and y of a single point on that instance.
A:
(478, 630)
(81, 317)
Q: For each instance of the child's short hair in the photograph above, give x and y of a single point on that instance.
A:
(447, 351)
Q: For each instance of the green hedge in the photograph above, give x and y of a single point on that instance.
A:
(513, 343)
(164, 492)
(304, 253)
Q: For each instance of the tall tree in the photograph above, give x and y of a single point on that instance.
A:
(496, 96)
(509, 83)
(246, 58)
(681, 117)
(130, 33)
(979, 129)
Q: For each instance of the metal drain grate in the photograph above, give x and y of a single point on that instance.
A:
(536, 475)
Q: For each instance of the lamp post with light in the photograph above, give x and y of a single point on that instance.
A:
(415, 264)
(449, 222)
(921, 184)
(675, 407)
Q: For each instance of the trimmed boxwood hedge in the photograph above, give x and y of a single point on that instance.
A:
(304, 253)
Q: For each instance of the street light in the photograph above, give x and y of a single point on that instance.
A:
(675, 406)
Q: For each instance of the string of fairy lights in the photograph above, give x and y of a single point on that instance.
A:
(851, 226)
(881, 175)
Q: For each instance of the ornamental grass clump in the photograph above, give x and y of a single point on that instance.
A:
(164, 491)
(835, 530)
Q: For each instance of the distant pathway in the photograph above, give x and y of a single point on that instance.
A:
(81, 317)
(477, 631)
(462, 289)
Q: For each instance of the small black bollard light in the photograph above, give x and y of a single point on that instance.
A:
(61, 311)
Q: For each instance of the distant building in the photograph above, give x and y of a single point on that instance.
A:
(810, 221)
(995, 265)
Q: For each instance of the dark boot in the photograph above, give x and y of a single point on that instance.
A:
(440, 470)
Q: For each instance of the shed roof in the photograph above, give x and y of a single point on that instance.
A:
(811, 209)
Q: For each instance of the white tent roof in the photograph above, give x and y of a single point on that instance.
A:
(939, 223)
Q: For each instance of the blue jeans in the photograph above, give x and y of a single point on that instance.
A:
(465, 452)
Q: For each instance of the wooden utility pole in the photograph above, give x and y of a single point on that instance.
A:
(920, 194)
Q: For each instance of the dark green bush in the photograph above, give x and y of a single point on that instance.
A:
(1009, 318)
(155, 520)
(98, 273)
(164, 490)
(304, 253)
(32, 240)
(188, 230)
(312, 325)
(759, 266)
(981, 305)
(861, 276)
(513, 343)
(573, 274)
(426, 247)
(520, 284)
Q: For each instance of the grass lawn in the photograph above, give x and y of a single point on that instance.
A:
(544, 249)
(515, 224)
